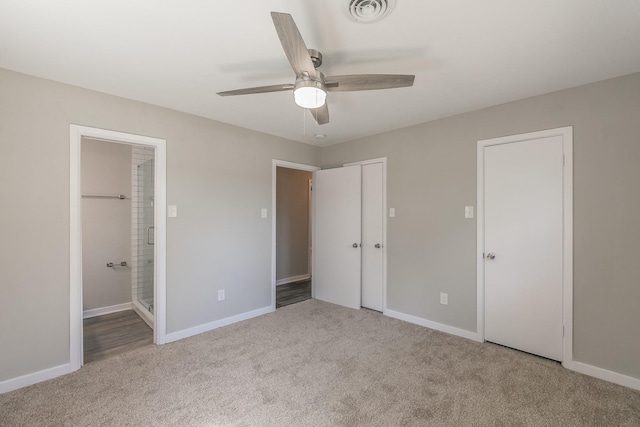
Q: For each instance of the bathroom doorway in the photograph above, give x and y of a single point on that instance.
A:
(118, 241)
(117, 183)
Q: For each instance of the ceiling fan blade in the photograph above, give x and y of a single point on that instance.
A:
(368, 82)
(293, 44)
(320, 114)
(260, 89)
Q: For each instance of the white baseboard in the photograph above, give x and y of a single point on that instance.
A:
(603, 374)
(106, 310)
(36, 377)
(583, 368)
(47, 374)
(293, 279)
(186, 333)
(432, 325)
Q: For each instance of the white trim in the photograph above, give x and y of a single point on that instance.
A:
(567, 260)
(196, 330)
(310, 230)
(94, 312)
(480, 242)
(583, 368)
(75, 252)
(603, 374)
(432, 325)
(35, 377)
(382, 160)
(275, 163)
(160, 247)
(292, 279)
(75, 235)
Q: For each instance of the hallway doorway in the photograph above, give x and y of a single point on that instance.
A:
(291, 232)
(292, 293)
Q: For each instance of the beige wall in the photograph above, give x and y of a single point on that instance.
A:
(292, 222)
(432, 176)
(218, 175)
(106, 224)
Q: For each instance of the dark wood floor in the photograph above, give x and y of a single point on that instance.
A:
(114, 333)
(292, 293)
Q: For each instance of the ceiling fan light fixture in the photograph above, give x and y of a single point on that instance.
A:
(309, 94)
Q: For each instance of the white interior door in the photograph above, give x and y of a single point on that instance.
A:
(337, 235)
(523, 214)
(372, 217)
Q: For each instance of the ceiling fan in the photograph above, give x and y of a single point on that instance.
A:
(311, 86)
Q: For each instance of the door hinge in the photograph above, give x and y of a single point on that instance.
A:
(563, 330)
(562, 159)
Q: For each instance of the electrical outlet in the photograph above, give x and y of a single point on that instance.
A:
(444, 299)
(221, 295)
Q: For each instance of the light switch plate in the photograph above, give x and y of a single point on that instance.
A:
(172, 211)
(444, 299)
(392, 212)
(468, 211)
(263, 213)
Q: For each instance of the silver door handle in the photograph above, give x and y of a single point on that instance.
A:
(149, 242)
(355, 245)
(491, 256)
(378, 245)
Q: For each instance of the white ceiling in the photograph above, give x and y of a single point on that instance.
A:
(466, 55)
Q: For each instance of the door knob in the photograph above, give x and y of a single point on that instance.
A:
(491, 256)
(355, 245)
(378, 245)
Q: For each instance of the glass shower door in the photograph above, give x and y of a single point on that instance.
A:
(146, 233)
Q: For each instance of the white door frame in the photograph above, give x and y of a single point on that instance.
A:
(567, 260)
(382, 160)
(75, 232)
(275, 163)
(310, 233)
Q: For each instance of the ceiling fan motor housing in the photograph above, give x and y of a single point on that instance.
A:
(306, 81)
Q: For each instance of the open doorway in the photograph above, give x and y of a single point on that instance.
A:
(117, 182)
(117, 240)
(292, 245)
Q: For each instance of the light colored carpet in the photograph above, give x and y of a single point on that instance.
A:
(317, 364)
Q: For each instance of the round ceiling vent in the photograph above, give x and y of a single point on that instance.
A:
(369, 10)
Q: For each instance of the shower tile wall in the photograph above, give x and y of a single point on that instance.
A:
(142, 219)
